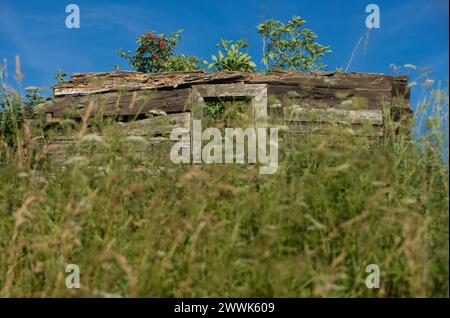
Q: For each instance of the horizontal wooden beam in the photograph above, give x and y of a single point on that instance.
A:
(158, 126)
(120, 103)
(331, 115)
(89, 83)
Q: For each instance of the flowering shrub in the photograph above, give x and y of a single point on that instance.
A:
(289, 46)
(232, 59)
(153, 51)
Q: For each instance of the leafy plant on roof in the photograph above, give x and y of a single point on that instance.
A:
(60, 76)
(232, 58)
(183, 62)
(291, 46)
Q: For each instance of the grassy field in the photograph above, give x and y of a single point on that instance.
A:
(136, 228)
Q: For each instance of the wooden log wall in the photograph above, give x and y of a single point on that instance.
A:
(130, 93)
(333, 97)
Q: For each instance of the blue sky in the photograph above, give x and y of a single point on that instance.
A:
(412, 32)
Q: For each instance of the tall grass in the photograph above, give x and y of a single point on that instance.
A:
(140, 227)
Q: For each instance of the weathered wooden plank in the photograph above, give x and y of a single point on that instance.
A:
(153, 148)
(122, 103)
(158, 126)
(329, 79)
(293, 130)
(229, 90)
(154, 131)
(88, 83)
(368, 86)
(327, 97)
(331, 115)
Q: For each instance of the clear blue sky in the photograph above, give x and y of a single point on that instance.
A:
(412, 31)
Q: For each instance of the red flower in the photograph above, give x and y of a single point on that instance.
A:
(147, 34)
(152, 37)
(161, 43)
(155, 56)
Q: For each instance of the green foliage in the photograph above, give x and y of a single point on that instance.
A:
(60, 76)
(11, 115)
(14, 109)
(142, 227)
(290, 46)
(184, 62)
(155, 53)
(225, 110)
(33, 98)
(232, 58)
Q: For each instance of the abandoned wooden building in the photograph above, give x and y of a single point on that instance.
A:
(151, 105)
